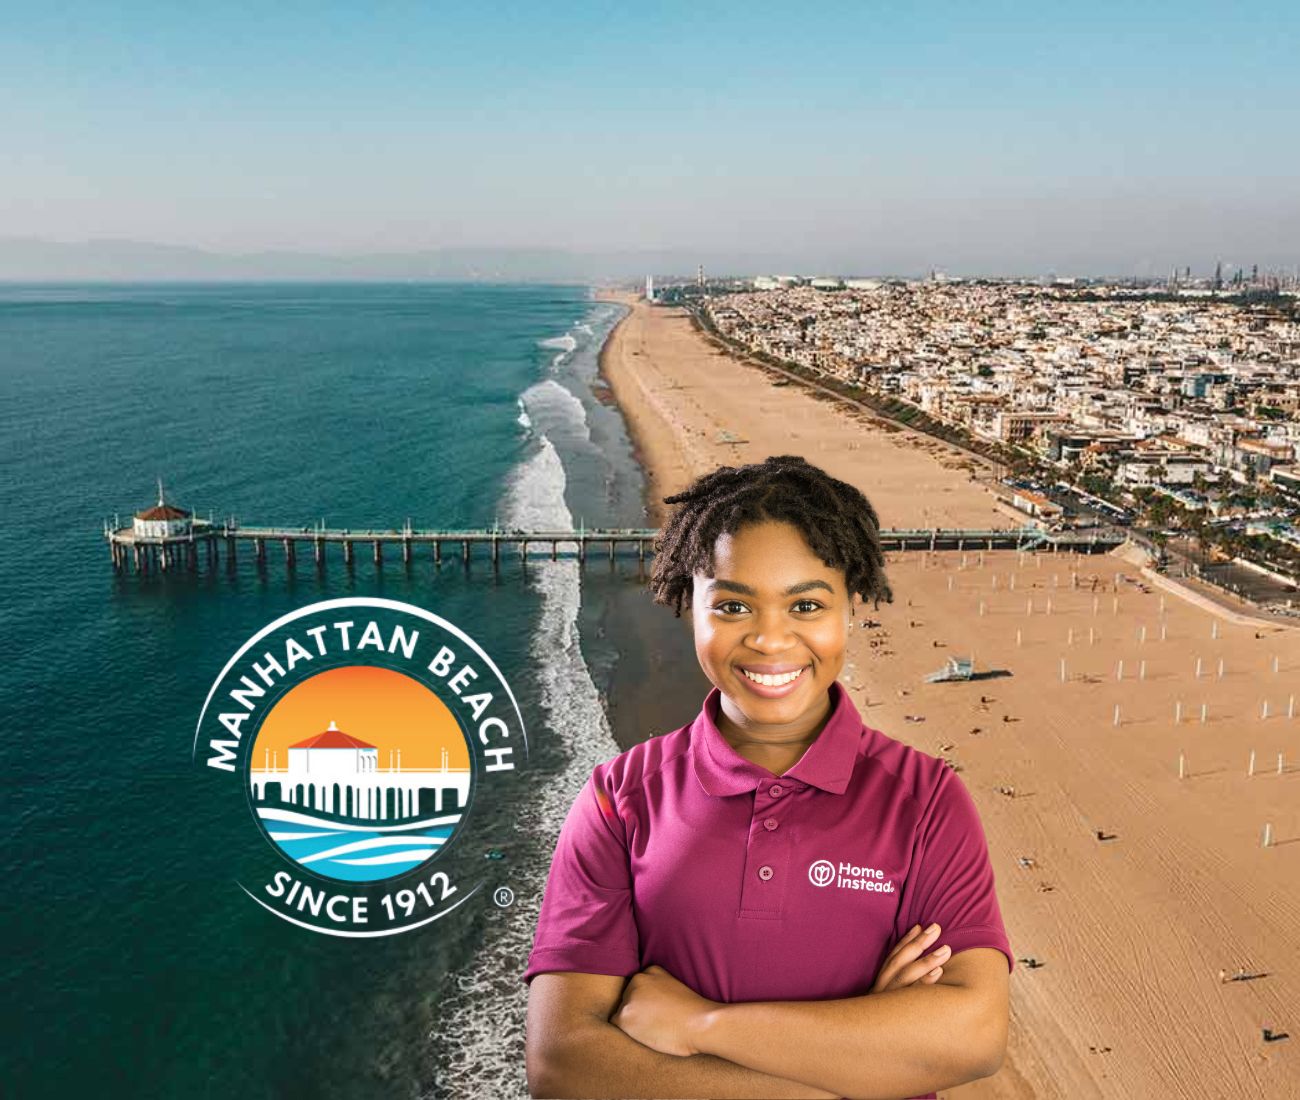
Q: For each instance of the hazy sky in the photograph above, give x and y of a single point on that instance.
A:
(850, 136)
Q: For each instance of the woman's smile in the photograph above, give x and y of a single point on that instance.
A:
(772, 685)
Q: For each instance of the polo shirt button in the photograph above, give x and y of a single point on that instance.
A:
(769, 824)
(775, 790)
(765, 872)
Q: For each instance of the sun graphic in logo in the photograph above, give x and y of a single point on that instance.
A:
(360, 773)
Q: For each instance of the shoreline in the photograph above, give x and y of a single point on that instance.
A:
(654, 509)
(1091, 711)
(653, 646)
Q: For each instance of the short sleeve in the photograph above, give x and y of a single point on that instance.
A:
(951, 880)
(586, 922)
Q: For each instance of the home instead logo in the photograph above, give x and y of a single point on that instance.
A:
(357, 734)
(849, 876)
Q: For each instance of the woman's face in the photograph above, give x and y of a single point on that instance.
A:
(772, 607)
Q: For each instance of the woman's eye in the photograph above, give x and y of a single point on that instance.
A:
(735, 607)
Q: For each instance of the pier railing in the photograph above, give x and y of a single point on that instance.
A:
(150, 553)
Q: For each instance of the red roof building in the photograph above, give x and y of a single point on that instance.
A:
(332, 738)
(163, 520)
(164, 511)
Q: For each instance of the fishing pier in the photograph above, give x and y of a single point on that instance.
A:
(166, 538)
(206, 540)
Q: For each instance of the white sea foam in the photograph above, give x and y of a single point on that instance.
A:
(523, 418)
(480, 1042)
(555, 410)
(564, 343)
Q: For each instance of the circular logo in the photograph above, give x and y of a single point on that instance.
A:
(370, 798)
(821, 873)
(360, 732)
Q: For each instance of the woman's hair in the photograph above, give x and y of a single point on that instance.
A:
(837, 521)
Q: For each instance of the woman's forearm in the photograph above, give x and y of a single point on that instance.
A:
(903, 1042)
(599, 1060)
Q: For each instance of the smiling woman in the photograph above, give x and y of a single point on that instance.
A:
(797, 545)
(774, 653)
(736, 908)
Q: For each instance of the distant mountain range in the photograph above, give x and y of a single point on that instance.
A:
(29, 259)
(33, 260)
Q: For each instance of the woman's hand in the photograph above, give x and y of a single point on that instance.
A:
(905, 965)
(660, 1012)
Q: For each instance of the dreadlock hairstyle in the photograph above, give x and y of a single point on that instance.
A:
(836, 519)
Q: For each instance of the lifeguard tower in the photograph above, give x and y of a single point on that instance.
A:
(956, 668)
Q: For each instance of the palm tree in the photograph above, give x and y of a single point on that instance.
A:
(1199, 525)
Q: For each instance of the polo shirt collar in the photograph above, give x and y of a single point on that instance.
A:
(826, 764)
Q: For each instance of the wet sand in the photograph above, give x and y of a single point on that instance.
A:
(1131, 931)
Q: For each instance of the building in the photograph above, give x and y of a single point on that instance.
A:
(1261, 454)
(1286, 478)
(334, 753)
(1035, 504)
(163, 520)
(1020, 426)
(1161, 470)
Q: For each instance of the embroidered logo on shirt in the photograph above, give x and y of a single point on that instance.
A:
(849, 876)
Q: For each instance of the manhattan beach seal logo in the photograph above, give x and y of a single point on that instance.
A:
(357, 733)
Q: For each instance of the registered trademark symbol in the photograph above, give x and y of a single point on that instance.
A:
(504, 896)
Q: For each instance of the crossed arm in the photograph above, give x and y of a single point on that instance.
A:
(588, 1036)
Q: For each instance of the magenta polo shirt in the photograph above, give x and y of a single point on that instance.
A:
(749, 886)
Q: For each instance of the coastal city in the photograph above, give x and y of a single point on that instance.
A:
(1176, 405)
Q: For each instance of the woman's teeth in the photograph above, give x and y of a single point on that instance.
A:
(772, 681)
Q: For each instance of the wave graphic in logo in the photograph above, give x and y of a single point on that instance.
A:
(355, 852)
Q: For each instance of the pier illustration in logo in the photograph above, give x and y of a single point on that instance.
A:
(369, 798)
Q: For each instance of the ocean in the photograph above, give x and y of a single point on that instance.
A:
(134, 963)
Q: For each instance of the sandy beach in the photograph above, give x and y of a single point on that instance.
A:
(1130, 932)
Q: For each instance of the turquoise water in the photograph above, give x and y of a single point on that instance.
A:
(353, 853)
(136, 964)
